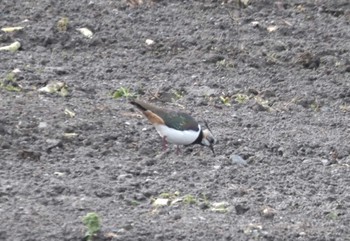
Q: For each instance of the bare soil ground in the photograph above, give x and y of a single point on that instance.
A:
(272, 79)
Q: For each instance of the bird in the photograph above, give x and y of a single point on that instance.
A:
(176, 127)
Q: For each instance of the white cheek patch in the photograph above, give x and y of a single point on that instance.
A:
(178, 137)
(205, 142)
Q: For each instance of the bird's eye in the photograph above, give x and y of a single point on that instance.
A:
(212, 141)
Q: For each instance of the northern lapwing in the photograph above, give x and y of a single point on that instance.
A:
(176, 127)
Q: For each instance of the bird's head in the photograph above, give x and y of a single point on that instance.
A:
(208, 138)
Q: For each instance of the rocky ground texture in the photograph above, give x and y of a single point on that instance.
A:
(270, 77)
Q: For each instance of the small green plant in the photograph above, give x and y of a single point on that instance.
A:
(243, 3)
(122, 92)
(241, 98)
(272, 58)
(62, 24)
(333, 215)
(225, 100)
(189, 199)
(204, 200)
(93, 225)
(11, 77)
(220, 207)
(133, 203)
(344, 107)
(315, 106)
(169, 195)
(11, 88)
(9, 83)
(264, 103)
(178, 94)
(55, 87)
(223, 64)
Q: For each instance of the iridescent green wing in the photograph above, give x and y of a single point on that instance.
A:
(178, 120)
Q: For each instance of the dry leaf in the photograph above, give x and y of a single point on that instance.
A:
(12, 47)
(11, 29)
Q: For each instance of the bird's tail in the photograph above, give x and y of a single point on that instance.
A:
(139, 105)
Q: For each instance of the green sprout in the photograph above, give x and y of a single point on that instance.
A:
(315, 106)
(133, 203)
(56, 87)
(223, 64)
(9, 83)
(12, 88)
(122, 92)
(241, 98)
(225, 100)
(62, 24)
(174, 197)
(11, 77)
(189, 199)
(169, 195)
(178, 94)
(204, 200)
(243, 3)
(93, 225)
(344, 108)
(262, 102)
(333, 215)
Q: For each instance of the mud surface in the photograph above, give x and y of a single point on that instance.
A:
(271, 78)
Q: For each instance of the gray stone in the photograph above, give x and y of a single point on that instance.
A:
(236, 159)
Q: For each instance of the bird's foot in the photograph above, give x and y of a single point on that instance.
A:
(178, 150)
(165, 143)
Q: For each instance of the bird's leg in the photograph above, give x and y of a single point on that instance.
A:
(177, 150)
(165, 143)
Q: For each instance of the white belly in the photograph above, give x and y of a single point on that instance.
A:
(177, 137)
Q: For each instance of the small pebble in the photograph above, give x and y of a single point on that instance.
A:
(42, 125)
(255, 23)
(161, 202)
(268, 212)
(86, 32)
(149, 42)
(58, 174)
(177, 216)
(52, 143)
(123, 177)
(204, 205)
(325, 162)
(236, 159)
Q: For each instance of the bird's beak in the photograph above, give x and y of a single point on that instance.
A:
(212, 149)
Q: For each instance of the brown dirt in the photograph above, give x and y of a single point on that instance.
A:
(289, 92)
